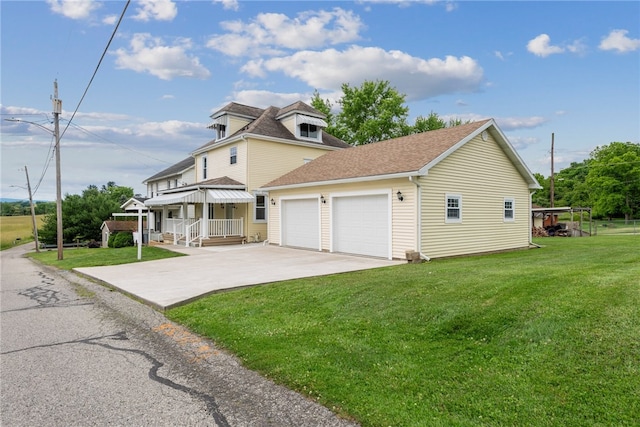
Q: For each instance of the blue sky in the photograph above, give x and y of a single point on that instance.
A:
(569, 68)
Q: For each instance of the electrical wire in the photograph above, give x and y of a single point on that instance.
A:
(88, 132)
(104, 53)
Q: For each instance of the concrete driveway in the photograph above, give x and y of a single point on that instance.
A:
(174, 281)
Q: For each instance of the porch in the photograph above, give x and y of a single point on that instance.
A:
(192, 232)
(201, 216)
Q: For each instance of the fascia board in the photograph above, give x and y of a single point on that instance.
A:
(342, 181)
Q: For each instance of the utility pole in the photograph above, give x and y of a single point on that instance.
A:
(33, 212)
(552, 180)
(57, 109)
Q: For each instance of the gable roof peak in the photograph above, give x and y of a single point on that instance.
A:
(299, 107)
(238, 109)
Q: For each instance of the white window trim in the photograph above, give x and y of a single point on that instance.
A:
(221, 121)
(232, 150)
(204, 164)
(448, 220)
(513, 209)
(305, 120)
(266, 208)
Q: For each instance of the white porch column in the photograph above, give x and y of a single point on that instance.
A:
(165, 216)
(204, 229)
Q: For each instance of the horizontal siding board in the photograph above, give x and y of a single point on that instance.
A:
(483, 175)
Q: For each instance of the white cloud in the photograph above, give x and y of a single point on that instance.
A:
(417, 78)
(513, 123)
(110, 19)
(617, 40)
(74, 9)
(149, 54)
(541, 46)
(229, 4)
(158, 10)
(269, 33)
(521, 142)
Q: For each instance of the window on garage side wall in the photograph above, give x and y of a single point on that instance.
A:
(453, 209)
(509, 209)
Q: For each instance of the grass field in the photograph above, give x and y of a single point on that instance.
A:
(85, 257)
(545, 337)
(618, 226)
(13, 227)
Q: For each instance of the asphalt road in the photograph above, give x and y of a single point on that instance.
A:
(75, 353)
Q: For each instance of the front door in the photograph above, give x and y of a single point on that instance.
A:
(158, 221)
(228, 210)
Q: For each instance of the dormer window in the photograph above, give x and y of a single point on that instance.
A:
(308, 131)
(309, 127)
(220, 126)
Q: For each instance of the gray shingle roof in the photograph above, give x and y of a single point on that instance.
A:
(267, 124)
(179, 167)
(395, 156)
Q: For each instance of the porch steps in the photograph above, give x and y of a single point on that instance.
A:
(219, 241)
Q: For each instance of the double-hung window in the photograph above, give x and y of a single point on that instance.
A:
(509, 209)
(453, 210)
(260, 208)
(308, 130)
(204, 167)
(233, 155)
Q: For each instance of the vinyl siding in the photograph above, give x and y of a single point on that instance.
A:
(235, 124)
(403, 223)
(218, 163)
(269, 160)
(481, 173)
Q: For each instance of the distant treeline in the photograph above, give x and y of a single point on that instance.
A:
(22, 208)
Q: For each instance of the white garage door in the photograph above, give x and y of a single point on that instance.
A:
(361, 225)
(301, 223)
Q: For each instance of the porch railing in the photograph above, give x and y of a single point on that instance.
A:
(192, 232)
(226, 227)
(178, 226)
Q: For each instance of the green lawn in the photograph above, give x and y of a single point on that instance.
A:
(84, 257)
(545, 337)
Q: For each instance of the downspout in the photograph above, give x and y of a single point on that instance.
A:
(419, 219)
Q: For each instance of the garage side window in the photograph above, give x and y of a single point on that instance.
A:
(509, 209)
(453, 208)
(260, 208)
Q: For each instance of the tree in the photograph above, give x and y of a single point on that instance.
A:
(372, 112)
(431, 122)
(324, 106)
(570, 185)
(542, 197)
(614, 179)
(82, 215)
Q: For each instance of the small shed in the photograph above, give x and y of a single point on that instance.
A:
(111, 226)
(547, 218)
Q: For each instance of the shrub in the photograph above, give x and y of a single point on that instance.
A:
(120, 240)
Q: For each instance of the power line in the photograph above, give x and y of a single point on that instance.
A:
(113, 34)
(88, 132)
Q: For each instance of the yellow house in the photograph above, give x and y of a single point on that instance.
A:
(224, 202)
(448, 192)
